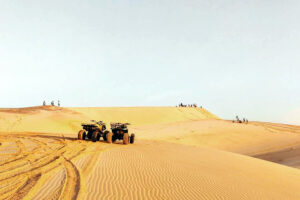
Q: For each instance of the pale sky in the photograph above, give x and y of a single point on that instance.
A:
(233, 57)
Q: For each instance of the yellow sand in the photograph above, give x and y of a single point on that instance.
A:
(180, 153)
(67, 120)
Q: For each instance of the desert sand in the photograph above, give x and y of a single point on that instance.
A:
(179, 153)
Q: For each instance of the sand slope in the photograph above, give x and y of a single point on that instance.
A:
(48, 119)
(180, 153)
(168, 171)
(250, 139)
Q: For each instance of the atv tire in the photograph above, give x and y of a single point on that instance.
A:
(81, 135)
(95, 136)
(125, 138)
(105, 135)
(89, 135)
(114, 138)
(132, 136)
(109, 136)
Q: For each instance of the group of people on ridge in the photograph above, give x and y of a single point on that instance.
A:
(188, 105)
(240, 121)
(52, 103)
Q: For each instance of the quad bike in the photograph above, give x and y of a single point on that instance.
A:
(93, 131)
(119, 131)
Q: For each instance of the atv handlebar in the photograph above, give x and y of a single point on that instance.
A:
(119, 125)
(98, 122)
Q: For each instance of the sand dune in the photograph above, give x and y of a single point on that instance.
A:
(168, 171)
(249, 139)
(180, 153)
(288, 156)
(146, 115)
(67, 120)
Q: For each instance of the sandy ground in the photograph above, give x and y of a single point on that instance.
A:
(180, 153)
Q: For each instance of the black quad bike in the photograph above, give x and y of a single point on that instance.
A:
(93, 131)
(119, 131)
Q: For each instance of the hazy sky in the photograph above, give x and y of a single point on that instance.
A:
(233, 57)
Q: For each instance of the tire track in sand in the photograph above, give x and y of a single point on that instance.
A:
(72, 183)
(22, 191)
(23, 175)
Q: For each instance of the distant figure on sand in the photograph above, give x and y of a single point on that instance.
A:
(52, 103)
(58, 103)
(44, 103)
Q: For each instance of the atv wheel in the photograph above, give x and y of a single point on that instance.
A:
(95, 136)
(125, 138)
(132, 138)
(89, 135)
(105, 135)
(109, 137)
(114, 138)
(81, 135)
